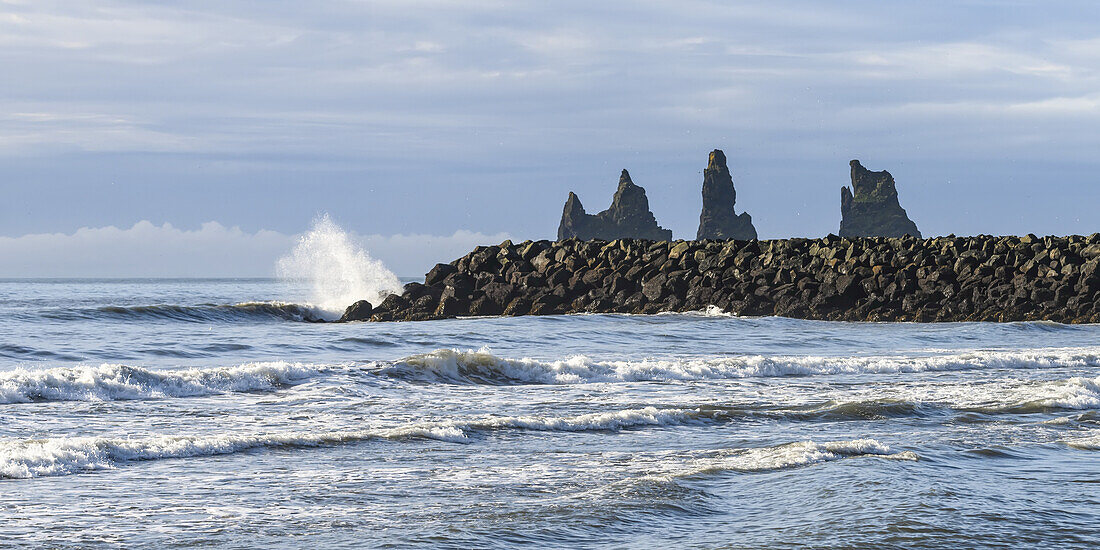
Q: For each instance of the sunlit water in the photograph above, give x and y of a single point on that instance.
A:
(180, 413)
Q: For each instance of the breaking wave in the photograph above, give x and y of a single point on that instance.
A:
(789, 455)
(202, 313)
(68, 455)
(482, 367)
(1089, 443)
(120, 382)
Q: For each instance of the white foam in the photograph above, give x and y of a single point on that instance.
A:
(339, 270)
(1088, 443)
(481, 366)
(110, 382)
(790, 455)
(616, 420)
(67, 455)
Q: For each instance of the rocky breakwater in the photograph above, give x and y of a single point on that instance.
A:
(863, 279)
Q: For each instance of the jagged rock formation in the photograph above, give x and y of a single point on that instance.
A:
(627, 218)
(718, 220)
(979, 278)
(873, 210)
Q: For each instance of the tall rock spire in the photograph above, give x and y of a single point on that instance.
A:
(628, 217)
(718, 219)
(873, 209)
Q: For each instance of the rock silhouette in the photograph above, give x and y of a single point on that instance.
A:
(718, 219)
(628, 217)
(873, 210)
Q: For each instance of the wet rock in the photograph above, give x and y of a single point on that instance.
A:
(870, 208)
(628, 217)
(359, 311)
(718, 219)
(438, 273)
(850, 278)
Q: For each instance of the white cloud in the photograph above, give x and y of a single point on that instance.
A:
(213, 250)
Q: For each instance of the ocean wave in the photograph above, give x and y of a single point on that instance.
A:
(68, 455)
(1088, 443)
(482, 367)
(1075, 393)
(120, 382)
(200, 313)
(784, 456)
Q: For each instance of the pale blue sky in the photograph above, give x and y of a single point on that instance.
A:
(431, 117)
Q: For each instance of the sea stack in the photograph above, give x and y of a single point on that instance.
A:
(627, 218)
(871, 208)
(718, 220)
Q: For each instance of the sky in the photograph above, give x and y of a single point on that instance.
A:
(156, 138)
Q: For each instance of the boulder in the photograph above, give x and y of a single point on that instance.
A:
(871, 208)
(359, 311)
(718, 219)
(628, 217)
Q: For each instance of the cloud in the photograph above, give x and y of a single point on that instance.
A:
(423, 116)
(213, 250)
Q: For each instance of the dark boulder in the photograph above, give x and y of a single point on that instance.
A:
(359, 311)
(628, 217)
(871, 208)
(718, 219)
(438, 273)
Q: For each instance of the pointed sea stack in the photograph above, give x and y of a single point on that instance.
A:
(873, 210)
(627, 218)
(719, 221)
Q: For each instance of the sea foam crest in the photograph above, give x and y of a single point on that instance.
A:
(789, 455)
(120, 382)
(68, 455)
(1087, 443)
(482, 367)
(1073, 393)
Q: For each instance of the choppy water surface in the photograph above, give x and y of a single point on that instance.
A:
(205, 413)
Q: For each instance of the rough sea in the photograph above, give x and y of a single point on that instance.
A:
(205, 413)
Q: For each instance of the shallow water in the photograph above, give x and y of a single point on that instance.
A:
(179, 413)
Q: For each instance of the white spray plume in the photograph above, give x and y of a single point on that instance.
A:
(339, 271)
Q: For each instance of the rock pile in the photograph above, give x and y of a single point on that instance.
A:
(873, 210)
(863, 279)
(628, 217)
(718, 219)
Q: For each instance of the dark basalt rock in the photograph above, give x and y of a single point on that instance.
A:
(718, 219)
(628, 217)
(979, 278)
(873, 209)
(359, 311)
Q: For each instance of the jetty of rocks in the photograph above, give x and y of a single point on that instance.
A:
(981, 278)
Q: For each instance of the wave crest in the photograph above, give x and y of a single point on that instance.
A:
(120, 382)
(482, 367)
(788, 455)
(242, 311)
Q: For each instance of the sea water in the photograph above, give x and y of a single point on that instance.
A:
(179, 413)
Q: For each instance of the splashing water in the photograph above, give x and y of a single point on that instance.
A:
(339, 271)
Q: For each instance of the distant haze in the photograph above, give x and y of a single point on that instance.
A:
(237, 123)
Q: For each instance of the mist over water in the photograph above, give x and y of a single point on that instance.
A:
(339, 271)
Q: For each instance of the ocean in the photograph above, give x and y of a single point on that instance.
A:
(205, 413)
